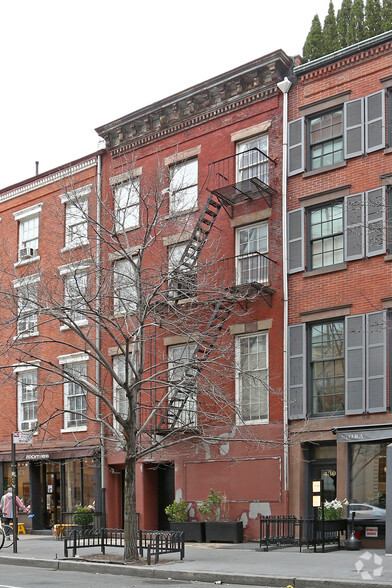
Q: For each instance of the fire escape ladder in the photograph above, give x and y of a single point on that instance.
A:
(200, 234)
(184, 389)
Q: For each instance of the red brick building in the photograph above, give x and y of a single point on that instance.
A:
(339, 168)
(224, 137)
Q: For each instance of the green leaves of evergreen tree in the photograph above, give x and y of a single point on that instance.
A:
(386, 16)
(313, 47)
(343, 21)
(330, 35)
(356, 28)
(373, 24)
(352, 24)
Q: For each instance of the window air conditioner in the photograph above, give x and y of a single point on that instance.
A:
(26, 252)
(26, 325)
(28, 425)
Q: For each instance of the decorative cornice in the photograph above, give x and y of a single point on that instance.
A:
(50, 179)
(226, 93)
(346, 62)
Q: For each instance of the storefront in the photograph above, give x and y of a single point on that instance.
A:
(54, 483)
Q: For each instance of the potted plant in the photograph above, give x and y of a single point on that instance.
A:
(177, 513)
(333, 515)
(83, 516)
(218, 528)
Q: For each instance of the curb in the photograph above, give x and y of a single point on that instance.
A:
(200, 576)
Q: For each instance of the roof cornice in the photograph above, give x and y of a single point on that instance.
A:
(364, 48)
(249, 83)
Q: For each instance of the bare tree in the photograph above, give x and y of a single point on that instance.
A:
(113, 297)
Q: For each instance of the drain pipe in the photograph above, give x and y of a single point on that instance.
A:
(98, 337)
(284, 87)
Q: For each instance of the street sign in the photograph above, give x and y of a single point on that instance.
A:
(19, 437)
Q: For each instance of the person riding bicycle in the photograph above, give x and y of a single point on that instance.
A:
(6, 508)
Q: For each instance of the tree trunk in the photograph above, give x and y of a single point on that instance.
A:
(130, 515)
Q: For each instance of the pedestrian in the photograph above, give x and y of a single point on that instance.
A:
(6, 508)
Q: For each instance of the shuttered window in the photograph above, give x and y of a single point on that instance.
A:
(326, 139)
(326, 235)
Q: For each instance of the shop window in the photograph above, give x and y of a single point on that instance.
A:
(252, 377)
(79, 483)
(252, 161)
(183, 186)
(368, 475)
(182, 386)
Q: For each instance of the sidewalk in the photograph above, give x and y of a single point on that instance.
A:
(240, 563)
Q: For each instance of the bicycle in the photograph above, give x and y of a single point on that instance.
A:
(6, 535)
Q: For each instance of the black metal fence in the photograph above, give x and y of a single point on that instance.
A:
(150, 543)
(284, 531)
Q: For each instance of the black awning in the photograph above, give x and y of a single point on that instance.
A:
(363, 434)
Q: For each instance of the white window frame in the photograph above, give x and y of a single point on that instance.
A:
(258, 166)
(121, 284)
(70, 272)
(67, 361)
(242, 258)
(263, 385)
(119, 396)
(179, 288)
(28, 241)
(27, 318)
(190, 406)
(20, 371)
(127, 204)
(76, 217)
(184, 189)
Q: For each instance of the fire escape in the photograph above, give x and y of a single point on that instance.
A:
(227, 187)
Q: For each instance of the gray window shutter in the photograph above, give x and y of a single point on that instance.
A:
(296, 135)
(355, 364)
(376, 241)
(353, 128)
(354, 237)
(376, 364)
(295, 229)
(297, 372)
(375, 121)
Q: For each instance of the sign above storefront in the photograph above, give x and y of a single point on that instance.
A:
(360, 435)
(36, 456)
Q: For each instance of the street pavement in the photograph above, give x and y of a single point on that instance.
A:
(221, 563)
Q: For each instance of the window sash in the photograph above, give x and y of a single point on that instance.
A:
(75, 292)
(126, 204)
(183, 186)
(75, 398)
(326, 235)
(27, 399)
(325, 136)
(252, 377)
(76, 226)
(28, 233)
(179, 357)
(125, 287)
(250, 162)
(251, 245)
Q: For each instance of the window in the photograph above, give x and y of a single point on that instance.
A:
(327, 367)
(182, 280)
(252, 377)
(27, 292)
(28, 220)
(252, 162)
(75, 292)
(76, 225)
(75, 403)
(326, 139)
(183, 186)
(119, 395)
(125, 285)
(344, 129)
(326, 235)
(126, 204)
(182, 378)
(27, 397)
(251, 244)
(338, 365)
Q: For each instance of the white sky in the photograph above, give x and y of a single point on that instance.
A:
(69, 66)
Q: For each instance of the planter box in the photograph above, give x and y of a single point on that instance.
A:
(336, 525)
(193, 531)
(224, 531)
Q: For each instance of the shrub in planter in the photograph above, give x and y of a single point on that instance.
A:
(177, 511)
(178, 521)
(83, 516)
(218, 526)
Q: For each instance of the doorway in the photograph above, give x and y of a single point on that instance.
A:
(166, 492)
(52, 496)
(322, 466)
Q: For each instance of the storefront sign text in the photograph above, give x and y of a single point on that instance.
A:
(36, 456)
